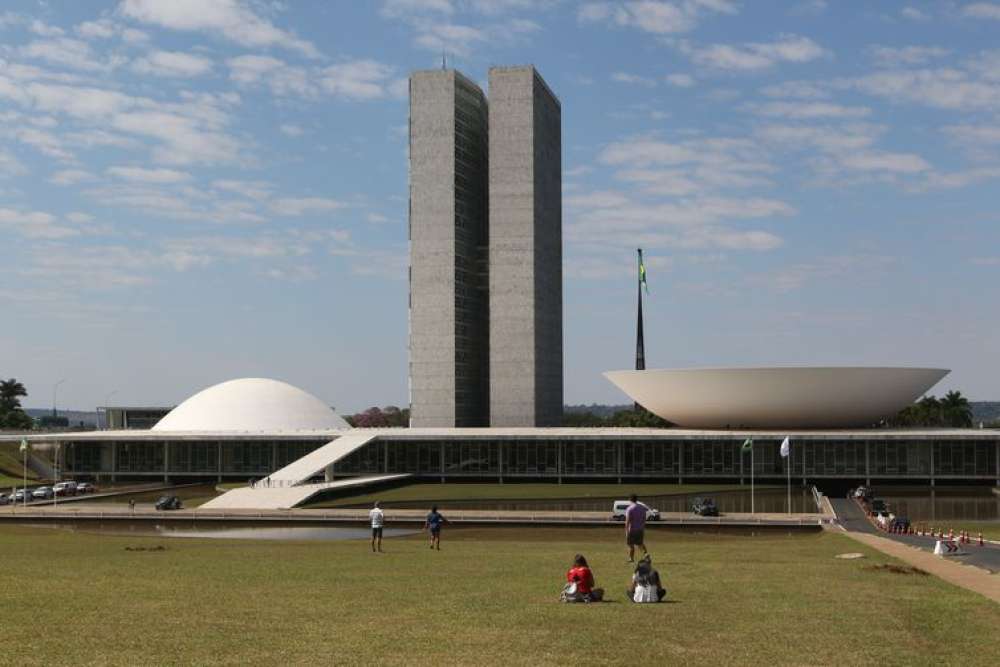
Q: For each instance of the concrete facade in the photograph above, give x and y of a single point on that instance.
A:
(525, 251)
(448, 236)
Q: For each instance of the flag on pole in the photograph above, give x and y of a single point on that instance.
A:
(785, 447)
(24, 445)
(642, 273)
(748, 444)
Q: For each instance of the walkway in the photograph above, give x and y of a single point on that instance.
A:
(974, 572)
(263, 497)
(315, 462)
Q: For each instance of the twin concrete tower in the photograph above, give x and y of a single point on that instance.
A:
(485, 250)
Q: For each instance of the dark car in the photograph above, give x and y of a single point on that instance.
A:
(3, 499)
(168, 503)
(878, 505)
(705, 507)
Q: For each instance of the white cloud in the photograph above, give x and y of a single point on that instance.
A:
(258, 190)
(982, 10)
(680, 80)
(69, 52)
(377, 218)
(403, 8)
(100, 29)
(291, 130)
(44, 30)
(10, 165)
(294, 207)
(808, 109)
(231, 19)
(172, 64)
(635, 79)
(914, 14)
(975, 135)
(655, 16)
(903, 163)
(358, 80)
(281, 78)
(449, 37)
(143, 175)
(79, 217)
(888, 56)
(70, 177)
(801, 90)
(945, 88)
(756, 56)
(34, 224)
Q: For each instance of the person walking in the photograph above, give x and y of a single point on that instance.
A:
(433, 525)
(635, 527)
(377, 517)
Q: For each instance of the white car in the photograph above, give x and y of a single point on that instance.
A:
(619, 507)
(65, 489)
(42, 493)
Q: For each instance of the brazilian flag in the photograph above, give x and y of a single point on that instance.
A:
(642, 273)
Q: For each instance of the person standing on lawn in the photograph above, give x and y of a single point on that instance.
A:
(433, 525)
(635, 527)
(377, 517)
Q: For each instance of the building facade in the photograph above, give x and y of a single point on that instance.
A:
(449, 308)
(485, 263)
(526, 374)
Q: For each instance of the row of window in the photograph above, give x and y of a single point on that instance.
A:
(548, 458)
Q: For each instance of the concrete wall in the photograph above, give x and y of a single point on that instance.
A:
(525, 252)
(447, 332)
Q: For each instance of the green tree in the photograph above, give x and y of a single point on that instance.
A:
(956, 410)
(11, 414)
(11, 392)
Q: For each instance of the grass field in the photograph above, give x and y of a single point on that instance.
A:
(11, 468)
(459, 491)
(489, 597)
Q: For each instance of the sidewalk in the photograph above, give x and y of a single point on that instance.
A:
(953, 571)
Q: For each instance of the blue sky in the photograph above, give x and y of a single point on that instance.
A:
(196, 190)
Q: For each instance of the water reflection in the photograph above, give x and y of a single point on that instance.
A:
(958, 503)
(769, 500)
(226, 531)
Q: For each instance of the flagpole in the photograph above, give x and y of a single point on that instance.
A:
(640, 345)
(752, 508)
(788, 471)
(24, 469)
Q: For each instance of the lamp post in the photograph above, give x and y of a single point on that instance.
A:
(55, 389)
(55, 494)
(106, 399)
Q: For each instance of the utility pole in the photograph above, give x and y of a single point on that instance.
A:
(640, 347)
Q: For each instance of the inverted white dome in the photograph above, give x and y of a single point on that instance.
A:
(779, 397)
(252, 404)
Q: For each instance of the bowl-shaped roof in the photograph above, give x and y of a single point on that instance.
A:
(252, 404)
(789, 397)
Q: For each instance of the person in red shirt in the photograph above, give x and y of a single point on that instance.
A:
(581, 575)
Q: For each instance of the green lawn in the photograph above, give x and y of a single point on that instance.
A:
(489, 598)
(458, 491)
(11, 468)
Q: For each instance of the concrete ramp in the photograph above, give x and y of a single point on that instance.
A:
(285, 497)
(315, 462)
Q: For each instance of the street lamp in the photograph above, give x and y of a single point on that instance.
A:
(55, 388)
(107, 398)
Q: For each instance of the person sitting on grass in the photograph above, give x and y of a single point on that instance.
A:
(645, 585)
(433, 526)
(580, 583)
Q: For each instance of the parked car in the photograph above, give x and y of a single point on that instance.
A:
(85, 487)
(705, 507)
(43, 493)
(169, 503)
(864, 493)
(3, 499)
(64, 489)
(20, 495)
(619, 507)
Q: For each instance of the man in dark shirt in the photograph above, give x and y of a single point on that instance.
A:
(433, 525)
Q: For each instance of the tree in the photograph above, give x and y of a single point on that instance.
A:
(387, 417)
(11, 392)
(11, 414)
(956, 410)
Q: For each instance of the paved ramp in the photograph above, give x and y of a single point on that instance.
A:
(315, 462)
(285, 497)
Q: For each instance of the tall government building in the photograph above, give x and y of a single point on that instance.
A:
(485, 250)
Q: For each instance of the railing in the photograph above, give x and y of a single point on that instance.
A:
(818, 497)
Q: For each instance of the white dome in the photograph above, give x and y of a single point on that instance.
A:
(252, 405)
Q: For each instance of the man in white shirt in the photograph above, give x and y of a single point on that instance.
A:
(378, 519)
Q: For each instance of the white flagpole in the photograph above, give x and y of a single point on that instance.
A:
(752, 511)
(24, 469)
(788, 471)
